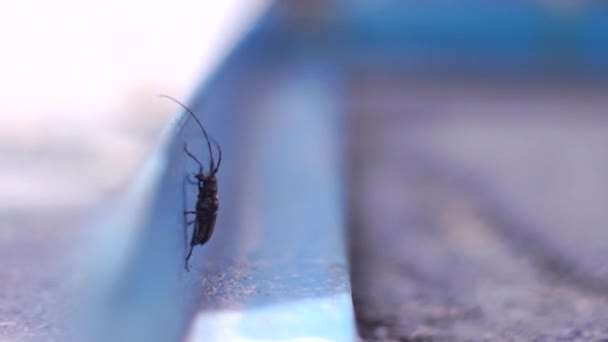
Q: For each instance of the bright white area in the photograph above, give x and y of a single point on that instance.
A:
(79, 82)
(327, 319)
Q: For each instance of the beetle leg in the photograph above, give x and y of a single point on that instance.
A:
(191, 181)
(191, 245)
(188, 258)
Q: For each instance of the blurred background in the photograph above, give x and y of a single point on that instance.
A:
(477, 160)
(80, 82)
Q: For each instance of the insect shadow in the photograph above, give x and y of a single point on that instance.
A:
(207, 203)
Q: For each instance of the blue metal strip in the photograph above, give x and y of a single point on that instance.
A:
(288, 266)
(526, 37)
(277, 255)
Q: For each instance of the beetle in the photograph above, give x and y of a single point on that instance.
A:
(207, 203)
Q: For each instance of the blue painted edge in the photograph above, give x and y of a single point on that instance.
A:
(135, 287)
(299, 281)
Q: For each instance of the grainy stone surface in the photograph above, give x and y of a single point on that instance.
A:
(35, 273)
(478, 210)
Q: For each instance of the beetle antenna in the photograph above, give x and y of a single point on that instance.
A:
(219, 159)
(192, 156)
(211, 163)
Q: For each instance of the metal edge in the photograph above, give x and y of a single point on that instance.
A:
(136, 289)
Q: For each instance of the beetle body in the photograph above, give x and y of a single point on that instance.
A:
(207, 206)
(207, 203)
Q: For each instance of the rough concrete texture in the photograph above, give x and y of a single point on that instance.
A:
(478, 209)
(36, 273)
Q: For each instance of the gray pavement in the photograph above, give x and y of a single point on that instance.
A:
(36, 273)
(479, 210)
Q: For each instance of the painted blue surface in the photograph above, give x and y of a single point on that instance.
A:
(525, 37)
(323, 317)
(291, 260)
(132, 291)
(279, 238)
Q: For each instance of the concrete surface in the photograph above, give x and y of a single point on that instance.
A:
(36, 273)
(479, 209)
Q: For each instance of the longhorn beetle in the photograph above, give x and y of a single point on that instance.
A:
(207, 203)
